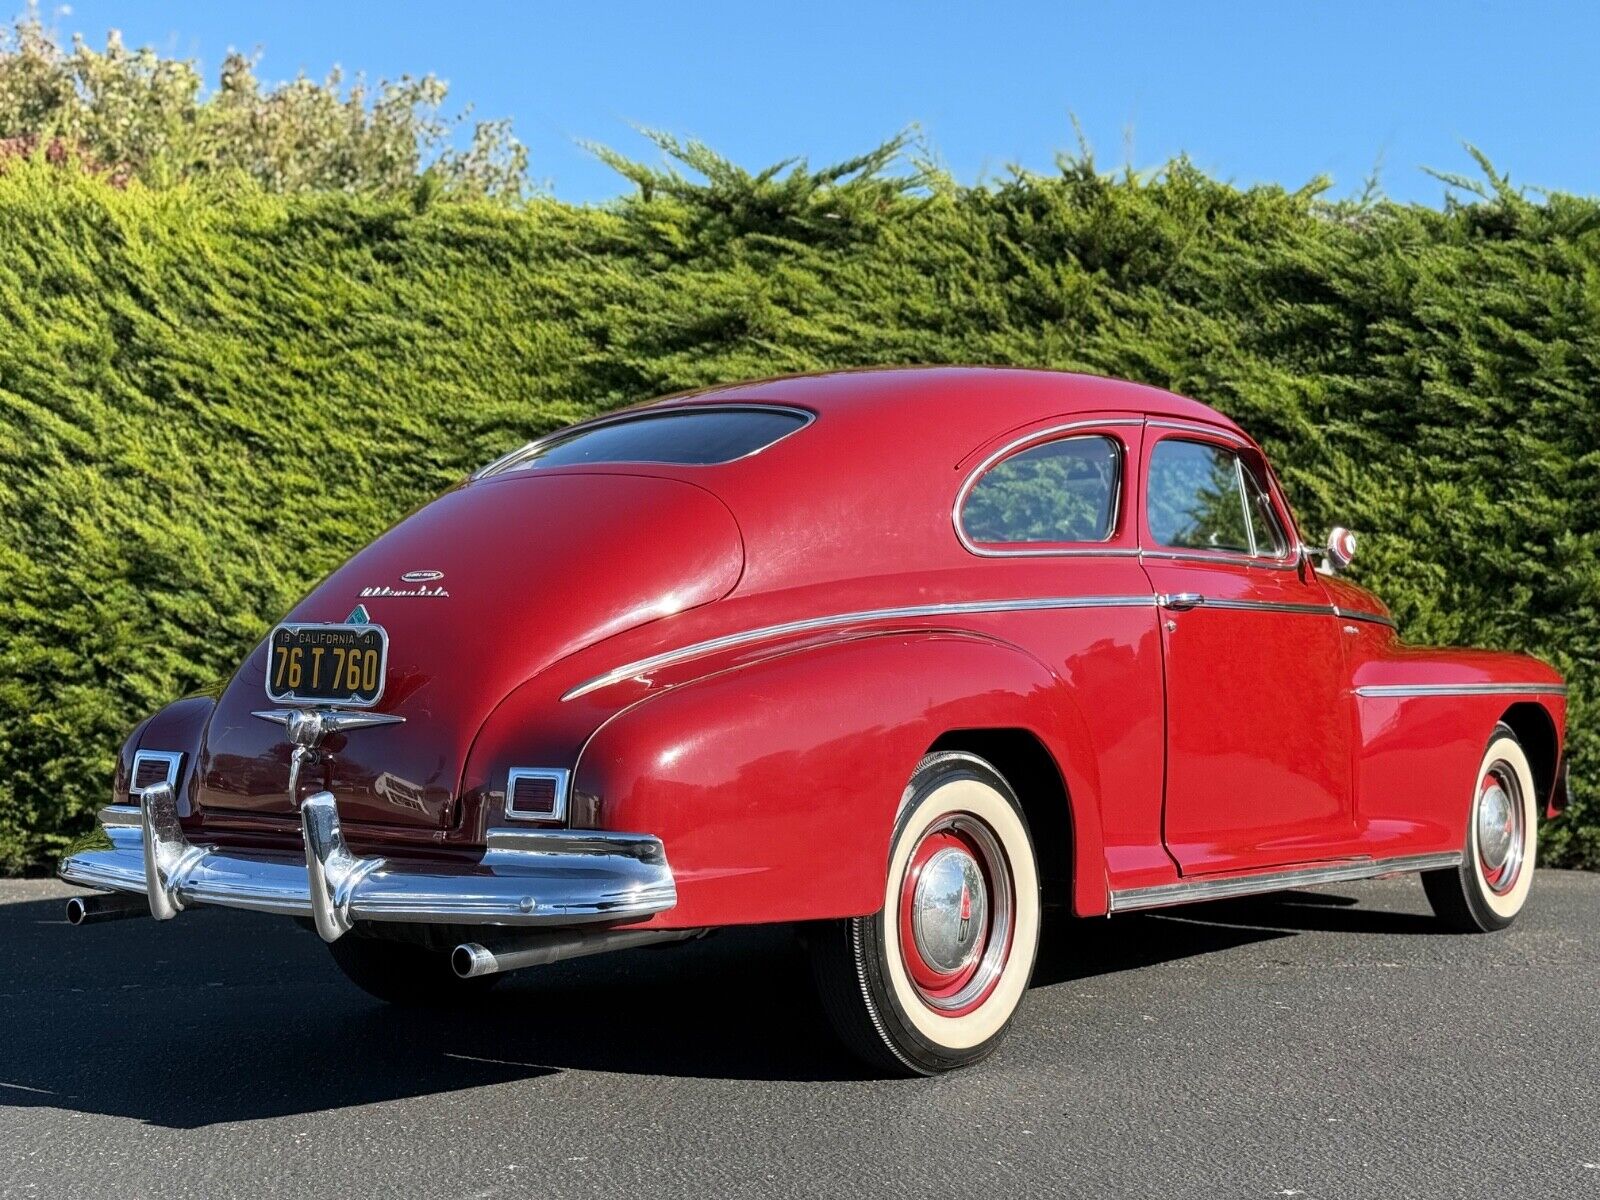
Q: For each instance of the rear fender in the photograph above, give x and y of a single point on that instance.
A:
(775, 785)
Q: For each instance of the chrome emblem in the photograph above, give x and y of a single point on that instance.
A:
(421, 576)
(307, 727)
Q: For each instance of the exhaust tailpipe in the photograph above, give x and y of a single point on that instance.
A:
(471, 959)
(106, 906)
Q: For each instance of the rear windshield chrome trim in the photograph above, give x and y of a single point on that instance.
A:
(509, 462)
(1397, 690)
(866, 616)
(1051, 433)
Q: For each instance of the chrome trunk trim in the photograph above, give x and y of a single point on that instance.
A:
(523, 878)
(1191, 891)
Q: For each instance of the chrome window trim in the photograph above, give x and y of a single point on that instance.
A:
(811, 624)
(1052, 433)
(1376, 690)
(1288, 561)
(1189, 891)
(1244, 506)
(562, 779)
(172, 758)
(1223, 558)
(1247, 482)
(1196, 427)
(508, 462)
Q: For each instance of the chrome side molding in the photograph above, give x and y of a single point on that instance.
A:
(810, 624)
(729, 641)
(1190, 891)
(1462, 689)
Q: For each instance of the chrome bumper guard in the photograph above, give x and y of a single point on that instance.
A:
(525, 877)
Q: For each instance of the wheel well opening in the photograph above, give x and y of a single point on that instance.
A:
(1537, 733)
(1032, 773)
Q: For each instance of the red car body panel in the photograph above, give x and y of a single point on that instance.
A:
(747, 660)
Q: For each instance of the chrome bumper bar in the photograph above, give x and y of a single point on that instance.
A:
(525, 878)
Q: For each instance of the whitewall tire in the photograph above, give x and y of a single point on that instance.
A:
(1490, 887)
(932, 980)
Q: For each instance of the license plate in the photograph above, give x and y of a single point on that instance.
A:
(327, 664)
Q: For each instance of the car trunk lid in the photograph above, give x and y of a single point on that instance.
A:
(478, 591)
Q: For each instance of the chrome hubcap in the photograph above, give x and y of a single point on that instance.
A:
(950, 910)
(1500, 831)
(955, 914)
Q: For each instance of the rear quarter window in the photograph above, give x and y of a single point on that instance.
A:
(1061, 491)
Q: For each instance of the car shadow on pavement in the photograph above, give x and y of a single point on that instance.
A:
(226, 1016)
(1081, 949)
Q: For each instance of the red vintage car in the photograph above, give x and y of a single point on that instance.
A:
(913, 657)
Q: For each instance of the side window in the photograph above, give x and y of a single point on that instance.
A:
(1061, 491)
(1196, 497)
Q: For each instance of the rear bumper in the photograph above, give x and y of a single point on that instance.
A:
(525, 878)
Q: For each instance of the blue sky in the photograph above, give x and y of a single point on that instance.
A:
(1252, 91)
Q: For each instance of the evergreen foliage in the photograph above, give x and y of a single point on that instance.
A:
(211, 395)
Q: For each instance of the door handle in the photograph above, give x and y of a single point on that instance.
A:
(1180, 601)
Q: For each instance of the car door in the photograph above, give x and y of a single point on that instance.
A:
(1257, 762)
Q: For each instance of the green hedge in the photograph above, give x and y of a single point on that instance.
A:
(209, 398)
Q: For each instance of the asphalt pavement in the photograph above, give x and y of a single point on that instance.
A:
(1325, 1043)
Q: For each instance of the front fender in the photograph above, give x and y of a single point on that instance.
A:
(775, 785)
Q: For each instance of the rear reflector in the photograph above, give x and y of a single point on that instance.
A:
(536, 794)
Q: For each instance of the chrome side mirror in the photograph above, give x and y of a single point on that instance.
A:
(1339, 551)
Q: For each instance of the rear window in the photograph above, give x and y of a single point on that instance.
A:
(685, 437)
